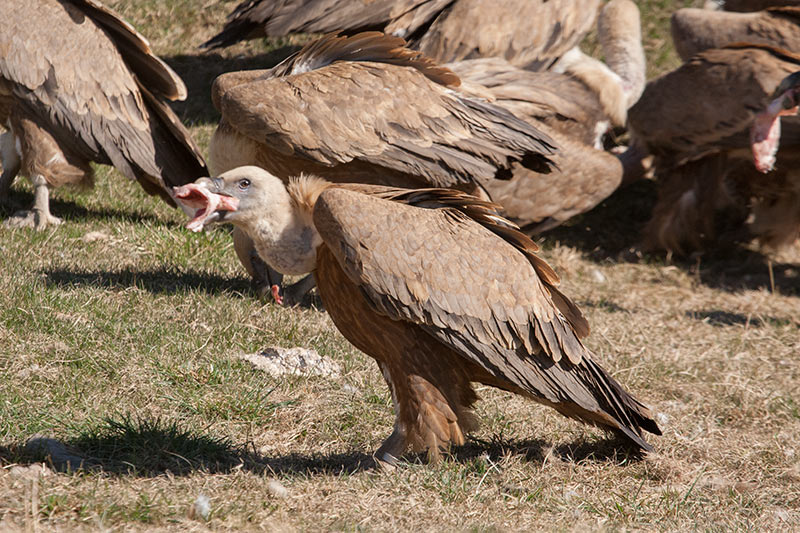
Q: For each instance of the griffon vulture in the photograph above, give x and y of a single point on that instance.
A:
(696, 120)
(79, 85)
(437, 288)
(695, 30)
(576, 110)
(366, 109)
(528, 33)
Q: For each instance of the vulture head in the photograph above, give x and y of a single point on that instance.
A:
(765, 133)
(259, 204)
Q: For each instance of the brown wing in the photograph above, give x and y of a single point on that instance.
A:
(390, 113)
(528, 33)
(709, 103)
(84, 82)
(468, 278)
(561, 101)
(259, 18)
(756, 5)
(584, 177)
(695, 30)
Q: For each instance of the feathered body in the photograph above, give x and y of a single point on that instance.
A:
(696, 121)
(442, 292)
(529, 33)
(80, 85)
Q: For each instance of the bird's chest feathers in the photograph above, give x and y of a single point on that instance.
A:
(290, 248)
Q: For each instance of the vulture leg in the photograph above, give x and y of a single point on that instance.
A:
(39, 216)
(11, 163)
(430, 414)
(267, 281)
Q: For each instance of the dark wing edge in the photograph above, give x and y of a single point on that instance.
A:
(372, 46)
(573, 385)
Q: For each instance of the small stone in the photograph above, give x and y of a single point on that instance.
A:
(598, 276)
(62, 458)
(277, 490)
(201, 507)
(94, 236)
(29, 472)
(349, 389)
(278, 361)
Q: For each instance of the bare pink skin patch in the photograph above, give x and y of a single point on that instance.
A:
(765, 133)
(206, 204)
(276, 294)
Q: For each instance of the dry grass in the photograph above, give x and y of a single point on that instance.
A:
(123, 346)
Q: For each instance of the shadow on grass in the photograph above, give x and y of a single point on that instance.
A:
(613, 229)
(72, 212)
(610, 449)
(151, 448)
(200, 69)
(161, 281)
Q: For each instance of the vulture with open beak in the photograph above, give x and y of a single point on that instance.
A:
(437, 288)
(695, 30)
(697, 122)
(80, 85)
(528, 33)
(576, 111)
(366, 109)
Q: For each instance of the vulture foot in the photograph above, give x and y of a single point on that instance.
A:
(34, 218)
(392, 448)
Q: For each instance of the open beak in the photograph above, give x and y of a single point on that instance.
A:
(765, 133)
(209, 206)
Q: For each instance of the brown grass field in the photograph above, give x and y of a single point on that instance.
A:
(119, 332)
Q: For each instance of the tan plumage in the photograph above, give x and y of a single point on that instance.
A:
(80, 85)
(576, 110)
(528, 33)
(437, 288)
(366, 109)
(695, 30)
(696, 121)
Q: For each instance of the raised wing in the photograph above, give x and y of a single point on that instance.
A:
(86, 81)
(528, 33)
(469, 278)
(384, 105)
(258, 18)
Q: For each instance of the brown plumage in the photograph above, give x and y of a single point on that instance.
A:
(366, 109)
(696, 121)
(576, 110)
(80, 85)
(528, 33)
(435, 286)
(695, 30)
(755, 5)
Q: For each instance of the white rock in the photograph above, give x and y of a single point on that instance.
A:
(278, 361)
(277, 490)
(598, 276)
(30, 472)
(93, 236)
(202, 506)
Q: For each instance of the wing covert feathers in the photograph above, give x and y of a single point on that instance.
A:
(444, 269)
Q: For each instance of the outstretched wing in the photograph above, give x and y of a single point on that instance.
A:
(528, 33)
(258, 18)
(384, 105)
(470, 279)
(81, 72)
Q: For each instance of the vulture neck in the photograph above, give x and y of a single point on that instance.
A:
(285, 236)
(620, 34)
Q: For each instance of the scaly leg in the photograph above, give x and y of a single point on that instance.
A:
(39, 216)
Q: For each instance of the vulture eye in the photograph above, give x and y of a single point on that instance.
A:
(244, 184)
